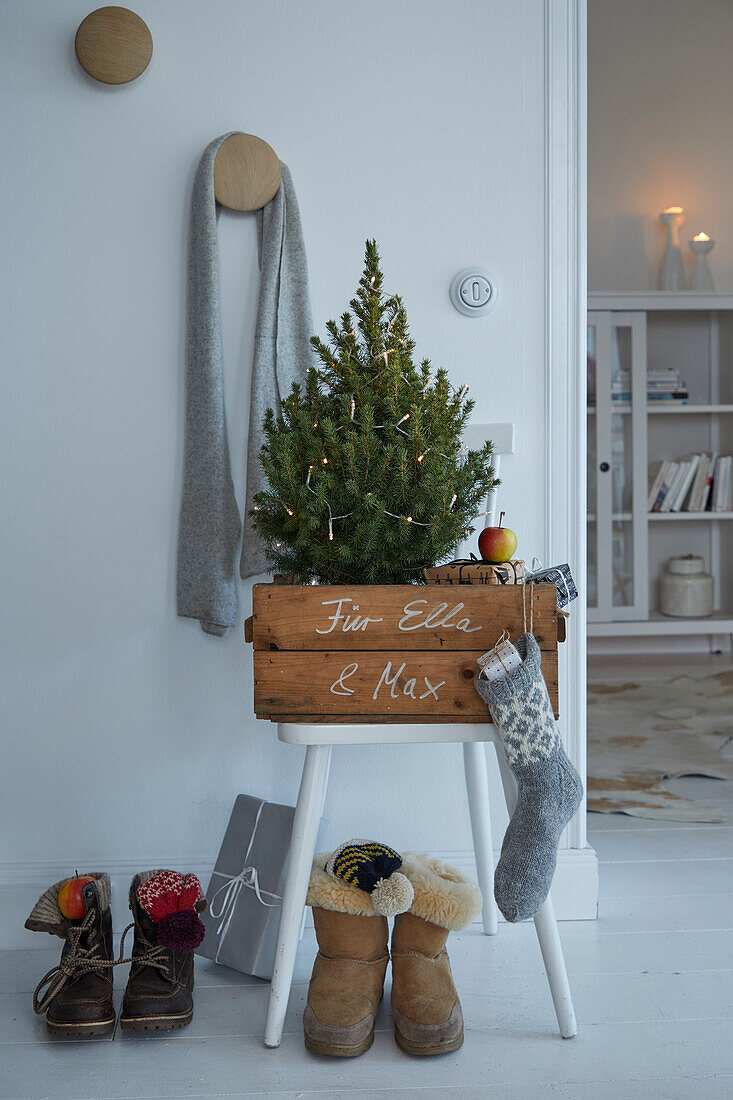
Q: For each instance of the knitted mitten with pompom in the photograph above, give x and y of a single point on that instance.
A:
(374, 868)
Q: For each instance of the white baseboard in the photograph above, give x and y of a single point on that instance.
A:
(574, 889)
(630, 645)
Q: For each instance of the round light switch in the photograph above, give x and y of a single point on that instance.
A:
(473, 292)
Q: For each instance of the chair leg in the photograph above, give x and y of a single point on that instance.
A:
(300, 858)
(554, 960)
(323, 807)
(508, 781)
(545, 924)
(477, 787)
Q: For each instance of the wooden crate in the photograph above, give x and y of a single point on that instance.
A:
(386, 653)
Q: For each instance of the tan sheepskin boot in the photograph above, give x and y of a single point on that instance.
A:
(425, 1005)
(348, 975)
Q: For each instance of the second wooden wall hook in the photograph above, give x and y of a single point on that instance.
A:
(246, 173)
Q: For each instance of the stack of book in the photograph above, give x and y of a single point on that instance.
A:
(662, 384)
(665, 384)
(699, 483)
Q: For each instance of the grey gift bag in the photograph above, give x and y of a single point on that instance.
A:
(245, 891)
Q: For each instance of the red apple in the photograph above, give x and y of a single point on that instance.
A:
(70, 899)
(497, 544)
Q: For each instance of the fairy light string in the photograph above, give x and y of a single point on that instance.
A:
(420, 458)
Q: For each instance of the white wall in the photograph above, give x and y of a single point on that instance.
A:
(129, 731)
(660, 89)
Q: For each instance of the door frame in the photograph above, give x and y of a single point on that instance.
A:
(565, 352)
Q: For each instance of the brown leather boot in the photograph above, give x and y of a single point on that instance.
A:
(348, 974)
(425, 1005)
(78, 997)
(159, 992)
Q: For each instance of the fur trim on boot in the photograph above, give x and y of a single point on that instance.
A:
(443, 895)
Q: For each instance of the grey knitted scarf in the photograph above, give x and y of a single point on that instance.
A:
(210, 525)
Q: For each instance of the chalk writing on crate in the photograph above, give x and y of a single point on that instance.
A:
(414, 616)
(388, 679)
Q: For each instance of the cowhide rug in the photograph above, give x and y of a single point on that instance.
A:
(641, 734)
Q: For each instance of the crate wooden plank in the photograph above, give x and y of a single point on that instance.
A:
(372, 685)
(398, 617)
(373, 719)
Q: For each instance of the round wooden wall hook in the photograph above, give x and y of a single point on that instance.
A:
(246, 172)
(113, 45)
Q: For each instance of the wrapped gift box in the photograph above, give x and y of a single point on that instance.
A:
(562, 578)
(245, 891)
(473, 571)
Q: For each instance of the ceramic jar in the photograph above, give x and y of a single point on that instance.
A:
(685, 589)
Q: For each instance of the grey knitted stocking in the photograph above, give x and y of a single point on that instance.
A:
(549, 788)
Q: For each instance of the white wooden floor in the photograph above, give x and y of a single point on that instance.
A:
(652, 980)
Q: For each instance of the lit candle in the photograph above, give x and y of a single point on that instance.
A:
(702, 280)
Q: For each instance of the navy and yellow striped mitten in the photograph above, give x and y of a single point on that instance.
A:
(374, 868)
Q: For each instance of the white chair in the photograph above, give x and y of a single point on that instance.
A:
(319, 741)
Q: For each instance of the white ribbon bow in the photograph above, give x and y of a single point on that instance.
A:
(232, 888)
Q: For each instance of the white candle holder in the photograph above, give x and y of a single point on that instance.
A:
(701, 277)
(672, 275)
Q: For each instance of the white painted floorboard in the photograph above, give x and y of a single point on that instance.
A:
(652, 981)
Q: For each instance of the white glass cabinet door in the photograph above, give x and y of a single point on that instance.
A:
(592, 571)
(616, 455)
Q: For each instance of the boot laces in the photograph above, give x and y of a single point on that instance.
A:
(84, 959)
(153, 955)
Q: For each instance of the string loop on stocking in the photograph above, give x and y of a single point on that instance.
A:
(496, 651)
(531, 606)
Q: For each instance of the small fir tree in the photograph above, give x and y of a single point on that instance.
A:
(368, 481)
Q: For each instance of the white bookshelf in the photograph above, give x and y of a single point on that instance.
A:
(695, 517)
(629, 546)
(661, 301)
(660, 407)
(689, 410)
(718, 623)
